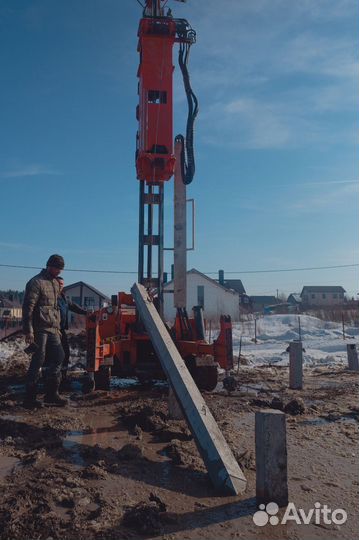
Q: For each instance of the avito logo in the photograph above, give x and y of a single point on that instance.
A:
(319, 514)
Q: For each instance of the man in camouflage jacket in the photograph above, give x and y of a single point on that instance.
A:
(41, 326)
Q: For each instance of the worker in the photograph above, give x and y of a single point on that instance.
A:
(41, 326)
(65, 306)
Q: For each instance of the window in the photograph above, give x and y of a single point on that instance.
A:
(324, 295)
(76, 299)
(335, 295)
(157, 97)
(200, 295)
(312, 295)
(89, 301)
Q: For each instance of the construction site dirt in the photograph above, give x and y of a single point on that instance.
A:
(112, 465)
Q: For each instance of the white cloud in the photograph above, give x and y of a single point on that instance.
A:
(16, 246)
(310, 52)
(270, 73)
(327, 199)
(30, 170)
(264, 124)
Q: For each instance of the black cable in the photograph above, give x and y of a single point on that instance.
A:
(187, 158)
(70, 269)
(207, 273)
(287, 269)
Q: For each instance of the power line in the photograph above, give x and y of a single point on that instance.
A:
(287, 269)
(69, 269)
(208, 273)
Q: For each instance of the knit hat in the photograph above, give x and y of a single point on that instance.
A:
(57, 261)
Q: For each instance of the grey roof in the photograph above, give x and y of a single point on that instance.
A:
(78, 283)
(322, 289)
(296, 297)
(235, 284)
(212, 281)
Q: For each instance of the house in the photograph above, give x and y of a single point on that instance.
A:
(260, 302)
(327, 295)
(85, 295)
(202, 290)
(294, 299)
(10, 316)
(235, 285)
(9, 309)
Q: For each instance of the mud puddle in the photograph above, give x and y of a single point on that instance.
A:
(118, 384)
(16, 388)
(324, 420)
(11, 417)
(102, 433)
(254, 389)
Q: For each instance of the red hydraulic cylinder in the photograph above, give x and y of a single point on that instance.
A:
(155, 160)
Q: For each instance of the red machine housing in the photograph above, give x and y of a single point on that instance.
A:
(154, 146)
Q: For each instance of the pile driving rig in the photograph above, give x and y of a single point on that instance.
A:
(117, 342)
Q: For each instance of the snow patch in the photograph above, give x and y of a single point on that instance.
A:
(274, 332)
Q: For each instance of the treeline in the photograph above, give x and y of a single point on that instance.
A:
(12, 295)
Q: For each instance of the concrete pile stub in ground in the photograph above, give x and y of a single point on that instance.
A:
(221, 465)
(353, 363)
(271, 457)
(296, 365)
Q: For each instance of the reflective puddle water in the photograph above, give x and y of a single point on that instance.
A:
(102, 433)
(17, 388)
(322, 420)
(118, 383)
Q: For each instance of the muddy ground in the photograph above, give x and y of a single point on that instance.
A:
(112, 465)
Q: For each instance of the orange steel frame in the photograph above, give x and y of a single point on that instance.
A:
(115, 332)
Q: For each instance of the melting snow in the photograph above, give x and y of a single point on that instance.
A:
(322, 340)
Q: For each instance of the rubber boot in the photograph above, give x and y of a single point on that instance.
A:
(65, 384)
(52, 396)
(30, 401)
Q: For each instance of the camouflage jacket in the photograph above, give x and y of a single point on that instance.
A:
(40, 311)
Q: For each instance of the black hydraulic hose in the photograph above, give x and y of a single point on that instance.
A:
(187, 158)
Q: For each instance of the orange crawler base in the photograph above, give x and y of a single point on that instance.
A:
(117, 344)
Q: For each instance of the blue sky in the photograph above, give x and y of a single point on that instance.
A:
(276, 139)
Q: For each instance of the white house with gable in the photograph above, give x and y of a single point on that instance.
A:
(203, 291)
(85, 295)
